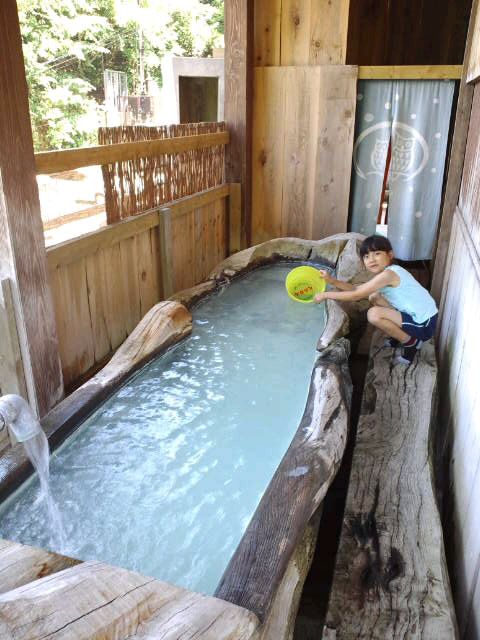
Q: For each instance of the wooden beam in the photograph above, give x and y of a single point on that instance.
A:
(238, 101)
(22, 247)
(56, 161)
(411, 72)
(198, 200)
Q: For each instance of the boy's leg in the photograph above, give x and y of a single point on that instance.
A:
(389, 321)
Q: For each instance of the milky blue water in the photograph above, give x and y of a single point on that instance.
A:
(165, 476)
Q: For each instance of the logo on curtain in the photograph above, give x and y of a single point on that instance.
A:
(410, 151)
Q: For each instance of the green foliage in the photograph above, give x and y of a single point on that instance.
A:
(68, 43)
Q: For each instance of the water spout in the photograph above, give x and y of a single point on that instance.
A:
(17, 416)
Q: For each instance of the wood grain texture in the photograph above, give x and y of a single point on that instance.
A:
(23, 261)
(235, 218)
(392, 32)
(410, 72)
(267, 38)
(459, 349)
(303, 140)
(300, 32)
(469, 198)
(20, 564)
(313, 33)
(253, 575)
(390, 577)
(238, 100)
(93, 601)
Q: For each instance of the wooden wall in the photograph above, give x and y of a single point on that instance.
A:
(300, 32)
(459, 355)
(388, 32)
(303, 119)
(105, 282)
(303, 124)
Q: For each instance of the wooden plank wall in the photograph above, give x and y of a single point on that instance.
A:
(459, 411)
(300, 32)
(104, 286)
(303, 119)
(388, 32)
(302, 148)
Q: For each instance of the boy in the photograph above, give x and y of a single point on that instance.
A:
(402, 308)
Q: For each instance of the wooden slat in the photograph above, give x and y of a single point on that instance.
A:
(267, 161)
(165, 246)
(303, 140)
(302, 103)
(267, 37)
(234, 218)
(313, 33)
(148, 271)
(411, 72)
(72, 312)
(56, 161)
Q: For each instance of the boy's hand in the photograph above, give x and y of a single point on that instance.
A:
(320, 297)
(326, 276)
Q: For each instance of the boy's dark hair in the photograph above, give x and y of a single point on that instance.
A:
(374, 243)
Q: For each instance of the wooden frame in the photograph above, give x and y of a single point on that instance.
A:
(57, 161)
(411, 72)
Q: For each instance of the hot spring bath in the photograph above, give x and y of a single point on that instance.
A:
(165, 476)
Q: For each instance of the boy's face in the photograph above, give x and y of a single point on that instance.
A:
(377, 261)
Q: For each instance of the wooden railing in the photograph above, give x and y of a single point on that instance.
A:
(104, 282)
(57, 161)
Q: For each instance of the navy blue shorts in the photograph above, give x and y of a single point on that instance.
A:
(423, 331)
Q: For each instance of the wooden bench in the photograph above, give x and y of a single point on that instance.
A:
(390, 578)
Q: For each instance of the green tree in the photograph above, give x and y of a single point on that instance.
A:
(68, 43)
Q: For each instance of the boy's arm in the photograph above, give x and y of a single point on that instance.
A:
(383, 279)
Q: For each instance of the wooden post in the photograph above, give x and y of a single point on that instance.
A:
(22, 247)
(166, 257)
(238, 102)
(235, 218)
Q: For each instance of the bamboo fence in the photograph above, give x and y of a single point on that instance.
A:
(138, 185)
